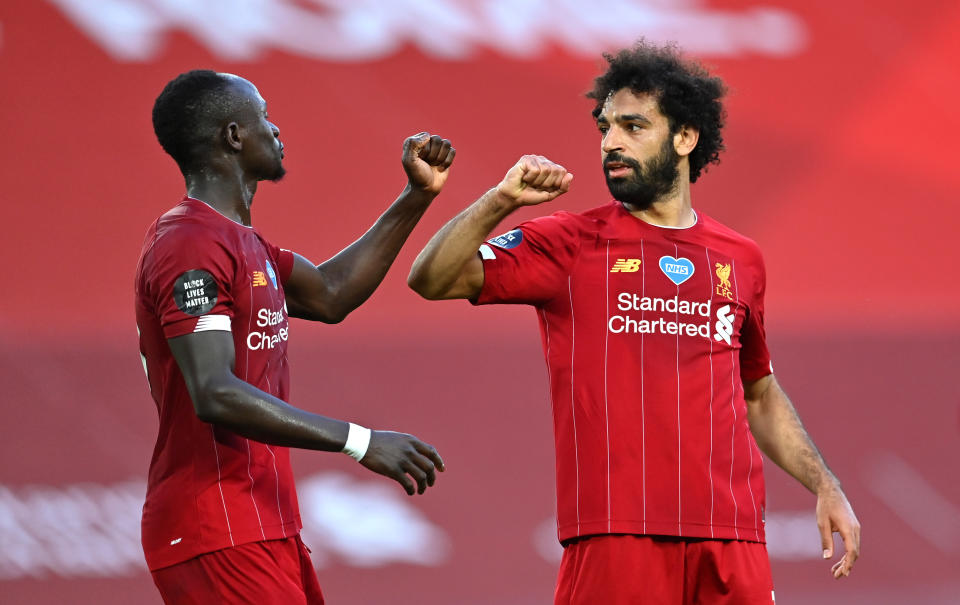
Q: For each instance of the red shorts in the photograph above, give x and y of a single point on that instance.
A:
(660, 570)
(275, 572)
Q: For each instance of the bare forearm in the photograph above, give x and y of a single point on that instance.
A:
(354, 273)
(238, 406)
(781, 436)
(441, 263)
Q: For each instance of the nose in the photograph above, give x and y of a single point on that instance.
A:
(610, 141)
(276, 131)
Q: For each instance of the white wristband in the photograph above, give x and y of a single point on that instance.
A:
(358, 440)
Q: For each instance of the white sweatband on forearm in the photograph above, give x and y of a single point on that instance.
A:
(358, 440)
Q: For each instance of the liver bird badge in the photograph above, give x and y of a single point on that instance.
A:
(723, 288)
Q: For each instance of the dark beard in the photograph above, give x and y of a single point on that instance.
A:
(649, 182)
(278, 174)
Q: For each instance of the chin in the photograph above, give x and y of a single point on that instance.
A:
(278, 175)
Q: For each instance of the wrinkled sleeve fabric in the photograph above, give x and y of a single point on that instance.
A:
(754, 355)
(191, 281)
(281, 258)
(529, 264)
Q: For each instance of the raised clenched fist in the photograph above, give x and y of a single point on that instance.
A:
(426, 160)
(533, 180)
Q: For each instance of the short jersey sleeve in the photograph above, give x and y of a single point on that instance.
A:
(754, 355)
(281, 257)
(529, 264)
(191, 283)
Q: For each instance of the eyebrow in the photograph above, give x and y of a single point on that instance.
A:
(635, 117)
(628, 117)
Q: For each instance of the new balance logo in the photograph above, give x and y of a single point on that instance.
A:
(259, 279)
(626, 265)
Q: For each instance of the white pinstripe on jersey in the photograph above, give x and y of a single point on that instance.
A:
(736, 292)
(246, 378)
(710, 405)
(573, 406)
(606, 405)
(223, 500)
(643, 420)
(733, 431)
(273, 457)
(676, 254)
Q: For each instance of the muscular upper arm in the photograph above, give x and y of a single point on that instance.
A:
(206, 360)
(468, 284)
(308, 294)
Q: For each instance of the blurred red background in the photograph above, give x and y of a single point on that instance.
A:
(839, 164)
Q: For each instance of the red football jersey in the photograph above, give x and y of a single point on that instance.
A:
(209, 488)
(648, 333)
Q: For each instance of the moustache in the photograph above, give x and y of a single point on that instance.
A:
(615, 157)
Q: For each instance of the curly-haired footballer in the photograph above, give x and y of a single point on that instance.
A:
(651, 315)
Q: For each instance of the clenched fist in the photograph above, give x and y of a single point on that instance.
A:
(534, 180)
(426, 160)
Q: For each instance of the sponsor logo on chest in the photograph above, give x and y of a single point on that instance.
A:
(626, 265)
(273, 329)
(271, 317)
(259, 278)
(682, 314)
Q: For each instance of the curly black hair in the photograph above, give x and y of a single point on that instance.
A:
(188, 114)
(687, 94)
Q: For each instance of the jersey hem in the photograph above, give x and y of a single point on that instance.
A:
(157, 561)
(640, 528)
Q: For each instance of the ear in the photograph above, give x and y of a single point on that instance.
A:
(685, 140)
(232, 136)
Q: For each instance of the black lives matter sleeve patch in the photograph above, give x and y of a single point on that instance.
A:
(195, 292)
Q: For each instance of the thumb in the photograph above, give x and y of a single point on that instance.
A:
(522, 170)
(413, 145)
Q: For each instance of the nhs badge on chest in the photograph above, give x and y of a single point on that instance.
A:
(678, 270)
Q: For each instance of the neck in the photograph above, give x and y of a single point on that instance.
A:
(226, 191)
(671, 210)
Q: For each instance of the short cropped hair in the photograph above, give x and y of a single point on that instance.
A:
(687, 94)
(188, 114)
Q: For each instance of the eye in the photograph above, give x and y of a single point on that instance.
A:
(603, 128)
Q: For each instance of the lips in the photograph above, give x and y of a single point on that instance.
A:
(617, 169)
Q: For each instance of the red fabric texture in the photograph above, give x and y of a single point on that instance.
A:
(274, 572)
(651, 570)
(648, 333)
(207, 487)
